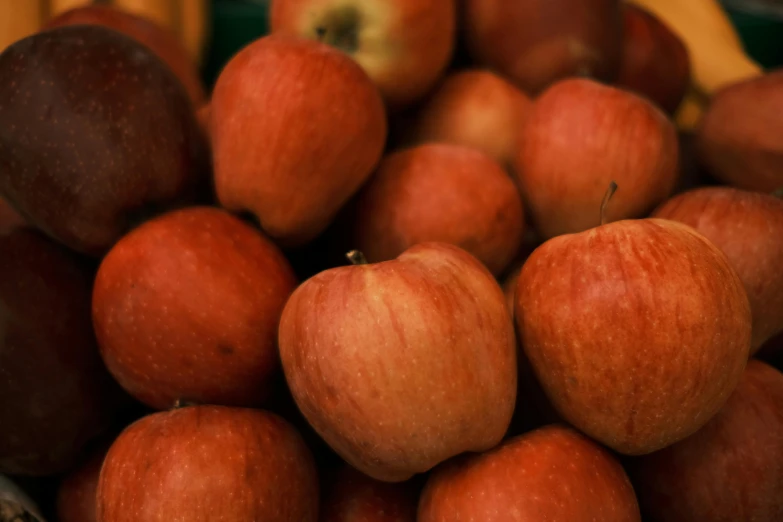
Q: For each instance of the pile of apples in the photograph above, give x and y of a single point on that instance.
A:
(419, 260)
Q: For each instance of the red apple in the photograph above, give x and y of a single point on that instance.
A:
(748, 227)
(403, 45)
(297, 127)
(552, 473)
(56, 392)
(537, 42)
(158, 39)
(638, 331)
(186, 308)
(579, 137)
(403, 364)
(731, 469)
(76, 494)
(740, 136)
(655, 61)
(208, 463)
(475, 108)
(440, 192)
(352, 496)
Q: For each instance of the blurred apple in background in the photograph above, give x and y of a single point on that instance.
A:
(440, 192)
(578, 138)
(552, 473)
(403, 45)
(748, 227)
(731, 469)
(655, 61)
(534, 44)
(277, 153)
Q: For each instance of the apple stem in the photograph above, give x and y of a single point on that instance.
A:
(181, 403)
(356, 257)
(607, 197)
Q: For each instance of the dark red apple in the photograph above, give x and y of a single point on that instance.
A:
(655, 61)
(538, 42)
(579, 137)
(352, 496)
(553, 473)
(297, 127)
(56, 393)
(748, 227)
(403, 364)
(731, 469)
(209, 463)
(638, 331)
(76, 495)
(440, 192)
(186, 308)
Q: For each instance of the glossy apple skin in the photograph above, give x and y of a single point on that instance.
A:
(76, 494)
(740, 136)
(748, 227)
(96, 135)
(440, 192)
(56, 393)
(404, 46)
(552, 473)
(186, 307)
(731, 469)
(278, 154)
(402, 364)
(209, 463)
(638, 331)
(352, 496)
(579, 137)
(534, 45)
(655, 62)
(158, 39)
(474, 108)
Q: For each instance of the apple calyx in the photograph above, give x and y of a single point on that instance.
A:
(340, 28)
(605, 202)
(356, 257)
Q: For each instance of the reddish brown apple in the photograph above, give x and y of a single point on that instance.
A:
(296, 127)
(402, 364)
(638, 331)
(76, 494)
(352, 496)
(475, 108)
(552, 473)
(731, 469)
(208, 463)
(740, 137)
(655, 61)
(579, 137)
(404, 46)
(440, 192)
(748, 227)
(186, 308)
(56, 392)
(157, 38)
(538, 42)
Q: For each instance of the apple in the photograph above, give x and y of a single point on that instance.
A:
(440, 192)
(403, 45)
(158, 39)
(96, 135)
(186, 308)
(655, 61)
(729, 470)
(552, 473)
(740, 136)
(579, 137)
(297, 127)
(638, 330)
(538, 42)
(352, 496)
(56, 393)
(208, 463)
(76, 494)
(475, 108)
(402, 364)
(748, 227)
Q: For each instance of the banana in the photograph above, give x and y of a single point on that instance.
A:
(60, 6)
(194, 19)
(18, 19)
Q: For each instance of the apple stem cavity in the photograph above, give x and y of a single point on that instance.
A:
(340, 29)
(605, 202)
(356, 257)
